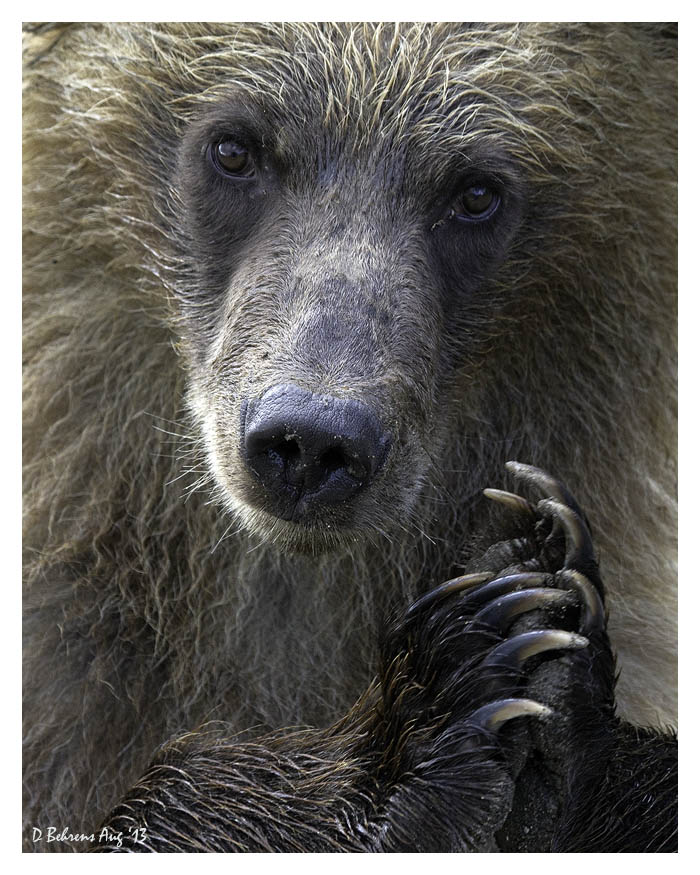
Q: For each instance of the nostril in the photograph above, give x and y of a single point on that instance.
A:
(288, 451)
(333, 459)
(340, 458)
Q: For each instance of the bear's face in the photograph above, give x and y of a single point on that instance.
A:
(342, 304)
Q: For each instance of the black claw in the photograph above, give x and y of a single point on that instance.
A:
(492, 716)
(503, 585)
(513, 652)
(579, 546)
(548, 485)
(500, 613)
(593, 612)
(457, 584)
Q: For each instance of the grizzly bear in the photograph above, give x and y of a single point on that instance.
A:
(294, 294)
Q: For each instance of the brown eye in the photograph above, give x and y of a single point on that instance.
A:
(232, 159)
(477, 203)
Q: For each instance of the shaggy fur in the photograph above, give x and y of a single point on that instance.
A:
(157, 595)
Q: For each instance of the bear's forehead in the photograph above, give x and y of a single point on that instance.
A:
(403, 88)
(369, 75)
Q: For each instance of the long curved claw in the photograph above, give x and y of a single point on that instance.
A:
(593, 612)
(513, 652)
(548, 486)
(511, 501)
(579, 545)
(503, 585)
(500, 613)
(481, 591)
(457, 584)
(492, 716)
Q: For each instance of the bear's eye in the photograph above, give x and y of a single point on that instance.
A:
(478, 202)
(232, 159)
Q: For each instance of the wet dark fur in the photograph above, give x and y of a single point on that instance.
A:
(160, 591)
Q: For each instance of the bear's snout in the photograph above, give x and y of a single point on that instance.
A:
(310, 450)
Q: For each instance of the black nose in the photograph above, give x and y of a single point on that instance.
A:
(310, 450)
